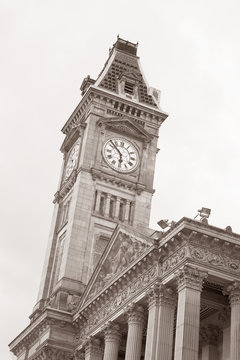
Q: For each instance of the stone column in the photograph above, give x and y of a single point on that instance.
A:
(224, 322)
(116, 215)
(234, 298)
(167, 305)
(190, 282)
(135, 332)
(93, 349)
(97, 205)
(209, 337)
(127, 209)
(112, 338)
(153, 310)
(107, 207)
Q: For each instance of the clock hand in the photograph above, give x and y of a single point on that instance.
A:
(116, 149)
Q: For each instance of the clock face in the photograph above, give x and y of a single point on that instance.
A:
(72, 160)
(120, 154)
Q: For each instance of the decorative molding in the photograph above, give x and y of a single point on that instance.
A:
(125, 125)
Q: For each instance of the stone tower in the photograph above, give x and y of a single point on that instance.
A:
(109, 154)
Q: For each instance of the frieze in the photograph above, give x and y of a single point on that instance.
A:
(121, 297)
(217, 260)
(174, 260)
(204, 255)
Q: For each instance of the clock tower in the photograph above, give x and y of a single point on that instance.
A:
(107, 175)
(109, 154)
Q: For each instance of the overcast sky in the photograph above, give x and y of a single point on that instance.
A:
(188, 49)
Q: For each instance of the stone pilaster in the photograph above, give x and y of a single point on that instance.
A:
(190, 282)
(98, 198)
(112, 338)
(234, 298)
(135, 331)
(107, 207)
(117, 207)
(93, 349)
(127, 209)
(167, 305)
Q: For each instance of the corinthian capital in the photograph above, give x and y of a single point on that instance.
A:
(112, 332)
(135, 314)
(233, 290)
(167, 296)
(190, 277)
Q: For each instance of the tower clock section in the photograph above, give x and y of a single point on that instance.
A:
(107, 176)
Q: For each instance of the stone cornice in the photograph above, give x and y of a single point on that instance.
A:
(147, 113)
(66, 187)
(31, 332)
(68, 184)
(126, 274)
(116, 180)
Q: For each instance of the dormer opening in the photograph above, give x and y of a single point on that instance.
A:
(129, 88)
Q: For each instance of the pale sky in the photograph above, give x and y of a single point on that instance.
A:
(189, 50)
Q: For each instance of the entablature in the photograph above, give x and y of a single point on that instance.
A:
(49, 317)
(113, 102)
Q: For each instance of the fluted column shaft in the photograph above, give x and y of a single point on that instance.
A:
(135, 332)
(167, 304)
(209, 352)
(153, 310)
(234, 297)
(112, 338)
(188, 313)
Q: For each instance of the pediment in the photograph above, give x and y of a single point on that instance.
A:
(126, 126)
(131, 75)
(124, 249)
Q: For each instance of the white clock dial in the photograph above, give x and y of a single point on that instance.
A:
(72, 160)
(120, 154)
